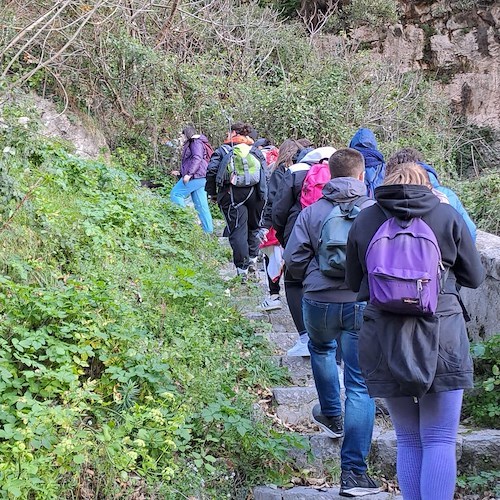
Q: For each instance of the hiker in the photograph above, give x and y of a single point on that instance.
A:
(365, 142)
(196, 152)
(285, 210)
(419, 361)
(270, 246)
(408, 155)
(236, 177)
(333, 316)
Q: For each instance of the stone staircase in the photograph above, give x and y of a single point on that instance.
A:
(476, 450)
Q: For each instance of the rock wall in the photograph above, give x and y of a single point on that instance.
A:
(88, 141)
(458, 41)
(483, 304)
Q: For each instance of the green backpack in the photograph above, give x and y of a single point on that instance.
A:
(244, 168)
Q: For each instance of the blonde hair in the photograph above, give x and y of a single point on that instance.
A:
(408, 173)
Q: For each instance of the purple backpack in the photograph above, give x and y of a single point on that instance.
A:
(404, 267)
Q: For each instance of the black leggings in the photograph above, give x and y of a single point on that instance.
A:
(294, 294)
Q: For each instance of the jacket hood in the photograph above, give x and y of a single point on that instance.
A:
(318, 154)
(202, 137)
(433, 176)
(406, 200)
(363, 138)
(344, 189)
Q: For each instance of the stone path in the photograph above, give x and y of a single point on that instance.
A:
(476, 450)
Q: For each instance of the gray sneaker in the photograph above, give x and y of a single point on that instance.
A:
(333, 426)
(242, 274)
(357, 485)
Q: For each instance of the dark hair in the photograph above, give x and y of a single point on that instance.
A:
(405, 155)
(346, 162)
(253, 133)
(242, 128)
(262, 142)
(189, 131)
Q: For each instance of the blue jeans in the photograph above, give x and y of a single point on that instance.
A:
(328, 323)
(196, 189)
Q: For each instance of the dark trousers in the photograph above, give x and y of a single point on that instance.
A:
(294, 294)
(242, 209)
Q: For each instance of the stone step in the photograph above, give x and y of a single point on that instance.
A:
(294, 404)
(283, 340)
(299, 369)
(306, 493)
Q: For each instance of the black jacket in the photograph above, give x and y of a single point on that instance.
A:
(409, 355)
(286, 205)
(218, 177)
(273, 187)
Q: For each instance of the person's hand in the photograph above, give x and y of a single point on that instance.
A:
(176, 173)
(261, 235)
(186, 179)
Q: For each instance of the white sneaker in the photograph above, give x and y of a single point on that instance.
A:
(271, 304)
(299, 349)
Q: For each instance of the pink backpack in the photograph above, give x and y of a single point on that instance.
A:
(317, 176)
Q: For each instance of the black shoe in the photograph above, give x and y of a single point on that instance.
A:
(357, 485)
(333, 426)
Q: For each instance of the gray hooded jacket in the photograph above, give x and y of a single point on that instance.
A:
(302, 247)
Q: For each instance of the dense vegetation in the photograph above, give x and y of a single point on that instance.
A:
(122, 363)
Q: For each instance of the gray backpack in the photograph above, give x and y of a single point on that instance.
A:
(333, 238)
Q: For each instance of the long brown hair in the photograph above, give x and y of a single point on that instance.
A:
(287, 151)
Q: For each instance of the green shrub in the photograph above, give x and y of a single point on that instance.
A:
(121, 357)
(482, 405)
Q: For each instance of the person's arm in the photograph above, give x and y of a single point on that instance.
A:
(272, 188)
(196, 148)
(468, 267)
(353, 270)
(282, 204)
(299, 250)
(212, 169)
(455, 202)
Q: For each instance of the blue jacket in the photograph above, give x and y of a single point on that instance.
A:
(452, 198)
(364, 141)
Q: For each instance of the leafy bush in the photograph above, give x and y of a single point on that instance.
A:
(482, 405)
(481, 196)
(122, 362)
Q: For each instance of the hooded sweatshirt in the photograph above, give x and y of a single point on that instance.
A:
(193, 161)
(364, 141)
(404, 355)
(302, 247)
(286, 205)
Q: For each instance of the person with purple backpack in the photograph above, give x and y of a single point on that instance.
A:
(196, 152)
(413, 345)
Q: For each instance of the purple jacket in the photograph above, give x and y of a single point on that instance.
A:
(193, 160)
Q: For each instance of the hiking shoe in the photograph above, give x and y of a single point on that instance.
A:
(333, 426)
(271, 304)
(299, 349)
(252, 264)
(243, 274)
(357, 485)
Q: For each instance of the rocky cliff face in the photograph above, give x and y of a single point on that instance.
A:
(458, 41)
